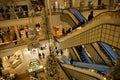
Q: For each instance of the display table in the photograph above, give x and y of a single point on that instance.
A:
(16, 62)
(36, 69)
(35, 66)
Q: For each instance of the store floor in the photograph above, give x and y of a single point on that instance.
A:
(22, 69)
(26, 56)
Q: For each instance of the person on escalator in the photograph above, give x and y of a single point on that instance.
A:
(83, 22)
(90, 16)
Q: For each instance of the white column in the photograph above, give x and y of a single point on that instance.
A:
(73, 3)
(95, 2)
(17, 33)
(86, 2)
(61, 3)
(50, 16)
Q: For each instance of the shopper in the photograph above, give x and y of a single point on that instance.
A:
(63, 31)
(90, 16)
(15, 38)
(1, 35)
(1, 67)
(39, 55)
(35, 75)
(61, 51)
(43, 55)
(57, 51)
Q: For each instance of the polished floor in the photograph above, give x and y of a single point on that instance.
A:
(26, 56)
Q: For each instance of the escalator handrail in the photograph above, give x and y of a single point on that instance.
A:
(101, 68)
(64, 59)
(78, 15)
(109, 50)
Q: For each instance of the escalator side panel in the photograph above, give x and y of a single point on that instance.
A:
(65, 60)
(78, 75)
(78, 72)
(66, 72)
(102, 54)
(68, 19)
(71, 15)
(78, 15)
(94, 54)
(74, 55)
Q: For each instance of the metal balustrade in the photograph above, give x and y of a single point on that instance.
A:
(71, 15)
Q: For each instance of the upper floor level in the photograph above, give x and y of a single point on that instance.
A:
(24, 8)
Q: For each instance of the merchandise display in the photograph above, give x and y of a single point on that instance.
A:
(15, 61)
(35, 66)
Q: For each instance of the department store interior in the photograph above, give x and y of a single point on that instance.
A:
(59, 39)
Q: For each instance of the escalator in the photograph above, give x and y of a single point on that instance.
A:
(79, 16)
(71, 15)
(102, 54)
(109, 51)
(94, 54)
(100, 68)
(89, 48)
(78, 69)
(74, 54)
(68, 19)
(78, 75)
(94, 31)
(84, 57)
